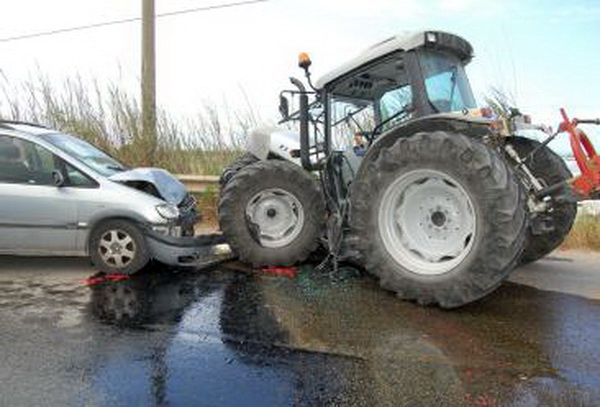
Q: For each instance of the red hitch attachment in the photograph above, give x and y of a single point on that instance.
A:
(588, 183)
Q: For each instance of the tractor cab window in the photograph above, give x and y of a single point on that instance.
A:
(350, 117)
(373, 98)
(446, 82)
(380, 95)
(395, 106)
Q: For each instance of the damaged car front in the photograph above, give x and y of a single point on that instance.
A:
(179, 207)
(71, 198)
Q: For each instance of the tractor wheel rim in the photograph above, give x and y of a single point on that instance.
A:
(276, 215)
(117, 248)
(427, 222)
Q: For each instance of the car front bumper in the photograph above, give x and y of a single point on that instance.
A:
(188, 251)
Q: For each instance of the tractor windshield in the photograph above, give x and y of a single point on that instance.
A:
(446, 82)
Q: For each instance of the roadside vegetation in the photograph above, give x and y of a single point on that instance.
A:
(585, 234)
(110, 118)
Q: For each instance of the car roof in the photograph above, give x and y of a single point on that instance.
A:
(26, 131)
(30, 129)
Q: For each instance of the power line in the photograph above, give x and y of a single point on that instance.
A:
(129, 20)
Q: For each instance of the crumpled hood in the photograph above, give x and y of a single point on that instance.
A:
(169, 187)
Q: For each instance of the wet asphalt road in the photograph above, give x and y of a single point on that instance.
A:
(233, 338)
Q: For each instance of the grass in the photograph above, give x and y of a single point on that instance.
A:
(585, 234)
(207, 203)
(110, 118)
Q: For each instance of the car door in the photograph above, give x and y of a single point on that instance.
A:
(36, 216)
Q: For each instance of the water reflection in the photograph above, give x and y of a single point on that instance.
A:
(209, 339)
(149, 297)
(230, 338)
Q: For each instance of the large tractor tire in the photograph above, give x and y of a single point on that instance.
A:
(235, 167)
(550, 169)
(272, 213)
(441, 218)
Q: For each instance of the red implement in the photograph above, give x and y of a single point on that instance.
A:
(588, 183)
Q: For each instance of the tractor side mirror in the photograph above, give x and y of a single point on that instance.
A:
(58, 180)
(284, 107)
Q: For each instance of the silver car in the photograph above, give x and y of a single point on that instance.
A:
(61, 196)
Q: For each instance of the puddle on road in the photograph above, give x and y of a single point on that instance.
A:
(231, 338)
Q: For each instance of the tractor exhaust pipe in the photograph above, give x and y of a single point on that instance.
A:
(304, 130)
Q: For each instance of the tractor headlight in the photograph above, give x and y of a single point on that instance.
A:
(168, 211)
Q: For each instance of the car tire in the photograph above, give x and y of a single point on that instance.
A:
(440, 217)
(118, 246)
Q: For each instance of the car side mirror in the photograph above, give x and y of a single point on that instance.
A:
(284, 107)
(58, 180)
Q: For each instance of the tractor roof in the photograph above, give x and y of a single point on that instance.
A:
(403, 42)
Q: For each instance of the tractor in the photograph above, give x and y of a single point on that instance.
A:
(387, 162)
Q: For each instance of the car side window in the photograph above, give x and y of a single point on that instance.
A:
(13, 163)
(76, 178)
(24, 162)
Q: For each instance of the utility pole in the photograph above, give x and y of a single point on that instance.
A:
(149, 79)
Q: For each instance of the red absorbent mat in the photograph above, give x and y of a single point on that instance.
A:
(101, 279)
(290, 272)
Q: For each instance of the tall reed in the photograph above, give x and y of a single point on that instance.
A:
(110, 117)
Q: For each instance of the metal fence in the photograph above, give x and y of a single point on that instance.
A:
(198, 184)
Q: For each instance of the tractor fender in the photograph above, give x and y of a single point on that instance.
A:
(469, 126)
(266, 142)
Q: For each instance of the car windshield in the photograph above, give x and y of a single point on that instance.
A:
(86, 153)
(446, 82)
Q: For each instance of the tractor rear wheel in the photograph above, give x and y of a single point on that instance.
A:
(441, 218)
(272, 213)
(550, 169)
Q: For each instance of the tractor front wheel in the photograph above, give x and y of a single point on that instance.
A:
(235, 166)
(272, 213)
(440, 217)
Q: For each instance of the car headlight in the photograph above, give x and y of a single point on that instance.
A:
(168, 211)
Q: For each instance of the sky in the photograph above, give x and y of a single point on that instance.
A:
(544, 53)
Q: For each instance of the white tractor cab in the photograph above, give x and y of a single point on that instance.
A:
(394, 167)
(382, 91)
